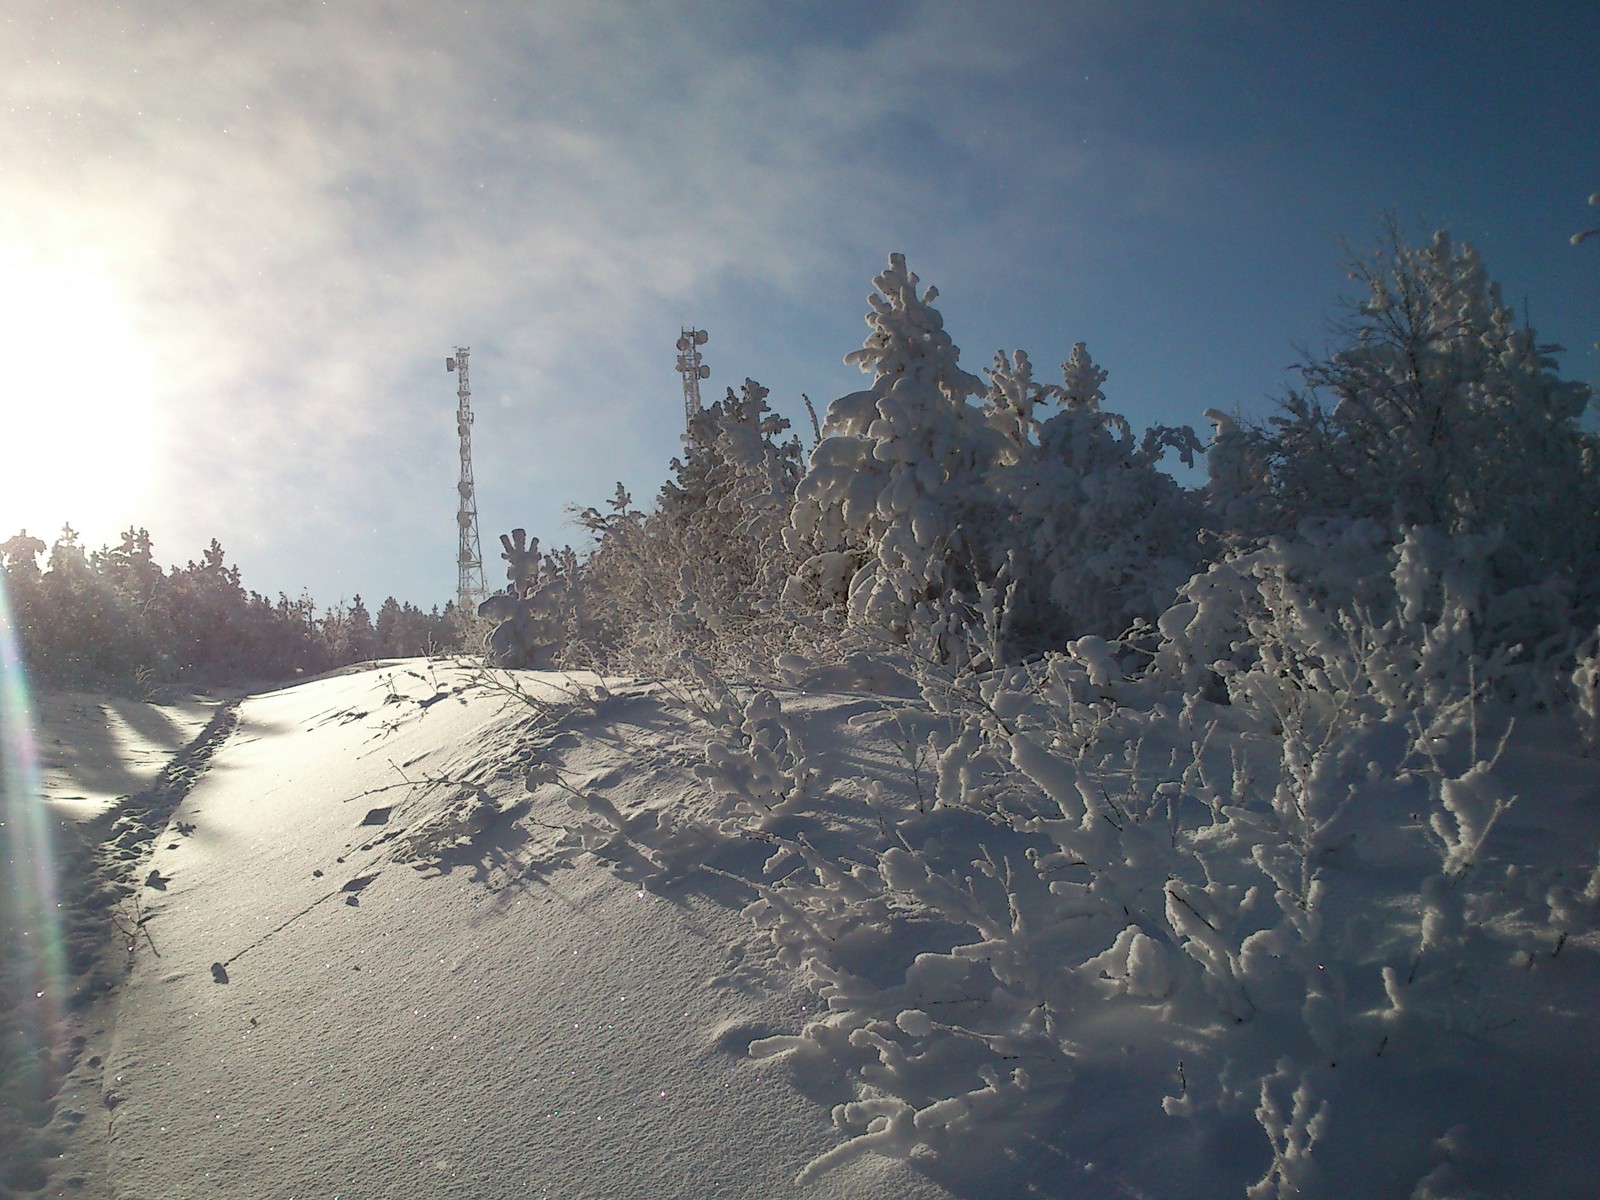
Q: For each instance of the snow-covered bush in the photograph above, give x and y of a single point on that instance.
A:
(1585, 683)
(627, 588)
(535, 614)
(1260, 919)
(755, 765)
(1393, 621)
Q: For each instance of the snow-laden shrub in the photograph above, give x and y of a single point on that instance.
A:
(1401, 621)
(1304, 931)
(629, 588)
(1267, 915)
(753, 766)
(1586, 693)
(534, 616)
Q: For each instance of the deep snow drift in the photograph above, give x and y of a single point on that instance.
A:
(422, 931)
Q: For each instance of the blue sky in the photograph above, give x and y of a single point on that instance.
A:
(237, 241)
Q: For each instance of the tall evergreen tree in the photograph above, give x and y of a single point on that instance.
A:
(895, 484)
(1440, 410)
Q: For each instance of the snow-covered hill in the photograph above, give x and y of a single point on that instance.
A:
(423, 931)
(359, 986)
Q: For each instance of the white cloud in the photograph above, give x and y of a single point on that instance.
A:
(313, 202)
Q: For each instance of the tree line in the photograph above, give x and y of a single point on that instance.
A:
(1433, 438)
(114, 617)
(1433, 445)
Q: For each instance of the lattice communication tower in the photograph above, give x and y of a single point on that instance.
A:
(693, 371)
(471, 590)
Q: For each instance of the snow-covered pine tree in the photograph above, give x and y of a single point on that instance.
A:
(916, 498)
(1439, 410)
(19, 556)
(722, 514)
(705, 562)
(1098, 535)
(895, 486)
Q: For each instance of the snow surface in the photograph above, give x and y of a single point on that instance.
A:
(425, 931)
(96, 749)
(363, 989)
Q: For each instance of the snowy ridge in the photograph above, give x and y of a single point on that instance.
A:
(357, 984)
(1047, 932)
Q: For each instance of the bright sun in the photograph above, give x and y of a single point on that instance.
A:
(77, 402)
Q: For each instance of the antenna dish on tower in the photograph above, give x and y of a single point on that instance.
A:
(693, 371)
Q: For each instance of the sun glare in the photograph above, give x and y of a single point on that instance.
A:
(77, 402)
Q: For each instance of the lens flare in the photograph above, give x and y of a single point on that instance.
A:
(33, 968)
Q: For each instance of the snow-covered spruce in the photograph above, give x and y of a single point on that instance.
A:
(916, 498)
(1441, 409)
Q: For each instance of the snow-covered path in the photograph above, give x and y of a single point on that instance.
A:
(358, 989)
(95, 749)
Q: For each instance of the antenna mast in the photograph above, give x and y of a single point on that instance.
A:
(471, 589)
(693, 371)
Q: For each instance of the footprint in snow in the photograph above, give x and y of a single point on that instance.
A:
(358, 884)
